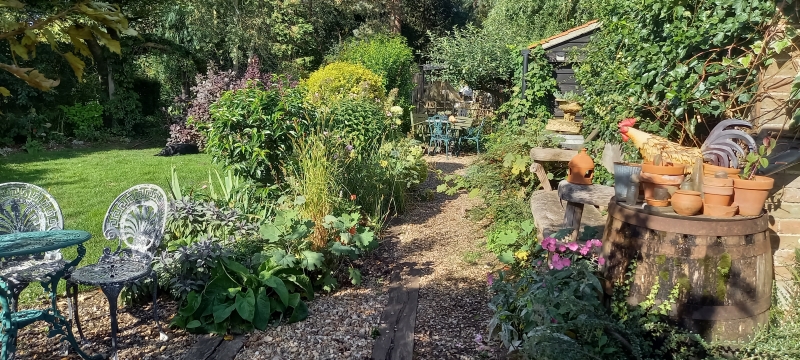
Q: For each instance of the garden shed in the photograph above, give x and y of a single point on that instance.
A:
(558, 47)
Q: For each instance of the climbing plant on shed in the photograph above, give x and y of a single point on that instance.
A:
(678, 64)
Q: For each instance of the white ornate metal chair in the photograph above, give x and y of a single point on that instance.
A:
(136, 220)
(23, 208)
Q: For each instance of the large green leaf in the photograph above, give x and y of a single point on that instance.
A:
(246, 304)
(223, 313)
(312, 260)
(506, 257)
(263, 311)
(192, 303)
(280, 288)
(299, 313)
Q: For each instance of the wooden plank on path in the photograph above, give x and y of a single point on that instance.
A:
(404, 334)
(227, 350)
(389, 317)
(203, 348)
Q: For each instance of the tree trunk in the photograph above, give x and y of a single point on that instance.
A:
(395, 16)
(102, 66)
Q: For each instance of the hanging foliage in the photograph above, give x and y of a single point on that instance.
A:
(678, 65)
(79, 22)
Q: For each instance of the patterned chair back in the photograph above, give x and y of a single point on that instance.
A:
(26, 207)
(137, 219)
(439, 126)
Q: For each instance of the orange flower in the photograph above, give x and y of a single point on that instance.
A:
(353, 197)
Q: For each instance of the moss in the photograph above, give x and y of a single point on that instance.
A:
(676, 262)
(683, 282)
(664, 275)
(661, 259)
(723, 273)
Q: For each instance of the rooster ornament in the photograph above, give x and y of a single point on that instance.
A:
(719, 148)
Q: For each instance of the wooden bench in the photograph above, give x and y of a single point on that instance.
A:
(549, 213)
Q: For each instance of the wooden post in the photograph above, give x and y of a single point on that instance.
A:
(572, 219)
(541, 174)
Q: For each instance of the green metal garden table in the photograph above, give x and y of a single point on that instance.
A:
(29, 243)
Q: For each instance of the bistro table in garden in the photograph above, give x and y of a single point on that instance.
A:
(29, 243)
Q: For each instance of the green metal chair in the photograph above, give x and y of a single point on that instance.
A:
(440, 133)
(473, 134)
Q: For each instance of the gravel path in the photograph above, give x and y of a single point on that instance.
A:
(339, 326)
(434, 235)
(437, 237)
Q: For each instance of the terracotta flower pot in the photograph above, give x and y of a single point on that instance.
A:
(710, 170)
(651, 181)
(657, 203)
(719, 210)
(717, 191)
(687, 202)
(750, 195)
(581, 169)
(712, 181)
(663, 170)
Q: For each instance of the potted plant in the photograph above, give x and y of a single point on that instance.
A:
(569, 103)
(750, 191)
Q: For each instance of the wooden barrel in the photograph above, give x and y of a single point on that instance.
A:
(722, 266)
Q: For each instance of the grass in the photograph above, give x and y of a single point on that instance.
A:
(84, 182)
(471, 257)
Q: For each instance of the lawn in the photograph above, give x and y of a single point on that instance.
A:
(84, 182)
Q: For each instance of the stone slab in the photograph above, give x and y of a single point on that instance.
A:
(548, 214)
(227, 350)
(203, 348)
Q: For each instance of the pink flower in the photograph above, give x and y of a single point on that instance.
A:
(601, 261)
(573, 246)
(490, 278)
(555, 260)
(562, 248)
(585, 249)
(559, 262)
(564, 263)
(478, 338)
(596, 242)
(553, 320)
(549, 244)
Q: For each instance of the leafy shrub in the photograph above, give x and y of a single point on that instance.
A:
(404, 162)
(239, 259)
(125, 112)
(340, 80)
(648, 61)
(551, 310)
(361, 121)
(190, 117)
(539, 88)
(87, 119)
(387, 56)
(253, 129)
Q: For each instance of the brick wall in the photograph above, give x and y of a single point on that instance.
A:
(784, 210)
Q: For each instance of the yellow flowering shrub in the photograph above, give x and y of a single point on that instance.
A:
(340, 80)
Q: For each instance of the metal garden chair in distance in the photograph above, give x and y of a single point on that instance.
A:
(24, 208)
(473, 134)
(136, 219)
(440, 131)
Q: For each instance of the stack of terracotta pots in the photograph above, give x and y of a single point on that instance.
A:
(660, 182)
(725, 193)
(718, 195)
